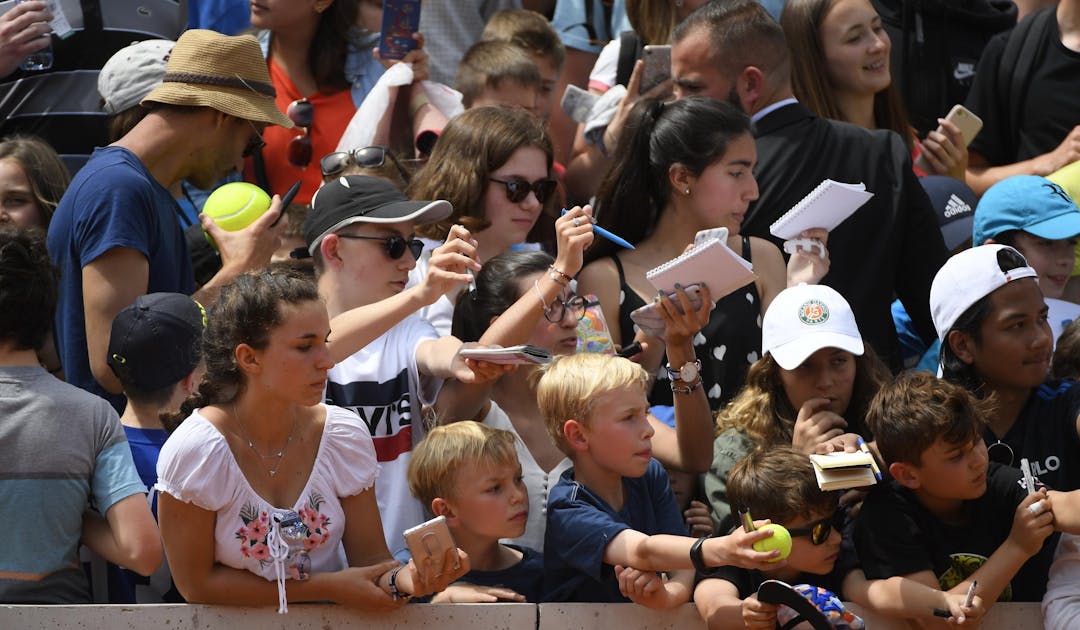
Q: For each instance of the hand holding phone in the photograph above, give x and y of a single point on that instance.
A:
(657, 67)
(966, 121)
(429, 542)
(287, 199)
(401, 18)
(649, 319)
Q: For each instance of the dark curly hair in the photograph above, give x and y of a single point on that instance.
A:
(28, 287)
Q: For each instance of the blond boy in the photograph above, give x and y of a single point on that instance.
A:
(469, 473)
(612, 518)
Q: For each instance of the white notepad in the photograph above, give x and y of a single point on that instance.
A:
(827, 206)
(839, 471)
(711, 262)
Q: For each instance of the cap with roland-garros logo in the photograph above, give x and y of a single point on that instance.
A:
(804, 319)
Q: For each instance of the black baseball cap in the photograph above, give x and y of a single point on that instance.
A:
(361, 198)
(155, 341)
(954, 202)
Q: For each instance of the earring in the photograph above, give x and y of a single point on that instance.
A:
(688, 192)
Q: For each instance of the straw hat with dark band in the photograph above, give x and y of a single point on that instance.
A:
(208, 69)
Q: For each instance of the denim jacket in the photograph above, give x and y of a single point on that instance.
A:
(362, 70)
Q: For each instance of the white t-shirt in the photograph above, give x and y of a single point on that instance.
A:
(441, 313)
(606, 69)
(196, 466)
(537, 481)
(382, 385)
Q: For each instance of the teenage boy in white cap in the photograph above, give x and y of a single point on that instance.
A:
(390, 361)
(154, 350)
(115, 235)
(991, 318)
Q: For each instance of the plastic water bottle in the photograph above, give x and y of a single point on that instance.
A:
(40, 60)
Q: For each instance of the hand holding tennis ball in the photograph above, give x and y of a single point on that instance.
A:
(235, 206)
(780, 540)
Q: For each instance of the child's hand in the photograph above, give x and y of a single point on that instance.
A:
(807, 266)
(698, 520)
(965, 616)
(448, 265)
(759, 615)
(682, 322)
(573, 235)
(642, 587)
(1032, 523)
(816, 424)
(464, 593)
(737, 549)
(475, 371)
(422, 580)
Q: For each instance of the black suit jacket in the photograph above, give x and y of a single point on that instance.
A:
(891, 246)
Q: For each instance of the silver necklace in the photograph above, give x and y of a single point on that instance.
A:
(279, 455)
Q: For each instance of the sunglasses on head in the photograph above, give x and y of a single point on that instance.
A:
(395, 245)
(367, 157)
(819, 531)
(301, 112)
(517, 189)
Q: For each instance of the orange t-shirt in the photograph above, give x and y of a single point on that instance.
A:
(332, 113)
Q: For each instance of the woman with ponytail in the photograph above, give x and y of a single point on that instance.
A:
(682, 167)
(263, 482)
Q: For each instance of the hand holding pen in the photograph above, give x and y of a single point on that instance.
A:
(618, 240)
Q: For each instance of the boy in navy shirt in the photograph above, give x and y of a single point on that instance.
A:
(612, 518)
(469, 473)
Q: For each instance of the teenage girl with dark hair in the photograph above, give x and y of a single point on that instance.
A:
(682, 167)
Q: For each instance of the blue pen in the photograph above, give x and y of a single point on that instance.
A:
(618, 240)
(873, 463)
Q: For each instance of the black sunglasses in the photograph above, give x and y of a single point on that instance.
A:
(367, 157)
(517, 189)
(395, 245)
(819, 531)
(301, 112)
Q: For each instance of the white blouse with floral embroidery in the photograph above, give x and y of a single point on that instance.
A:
(196, 466)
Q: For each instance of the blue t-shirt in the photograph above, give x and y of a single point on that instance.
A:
(581, 524)
(571, 22)
(112, 202)
(526, 578)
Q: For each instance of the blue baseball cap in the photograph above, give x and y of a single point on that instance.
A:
(1030, 203)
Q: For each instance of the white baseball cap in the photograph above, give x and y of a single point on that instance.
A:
(804, 319)
(970, 276)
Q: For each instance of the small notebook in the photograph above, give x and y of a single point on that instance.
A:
(711, 262)
(512, 355)
(827, 206)
(839, 471)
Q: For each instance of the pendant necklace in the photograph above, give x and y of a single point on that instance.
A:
(279, 455)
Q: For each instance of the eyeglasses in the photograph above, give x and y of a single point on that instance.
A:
(819, 531)
(556, 311)
(301, 112)
(255, 143)
(395, 245)
(367, 157)
(517, 189)
(1000, 452)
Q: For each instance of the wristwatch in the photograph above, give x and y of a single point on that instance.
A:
(698, 560)
(688, 373)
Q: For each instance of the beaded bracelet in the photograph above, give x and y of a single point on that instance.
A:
(565, 276)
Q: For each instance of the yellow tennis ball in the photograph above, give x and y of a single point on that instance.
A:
(235, 206)
(780, 540)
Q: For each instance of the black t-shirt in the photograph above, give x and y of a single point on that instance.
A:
(896, 535)
(1045, 434)
(1050, 107)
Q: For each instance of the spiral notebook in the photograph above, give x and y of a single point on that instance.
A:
(711, 262)
(827, 206)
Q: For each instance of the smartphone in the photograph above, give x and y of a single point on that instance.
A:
(431, 539)
(968, 123)
(400, 19)
(592, 329)
(657, 67)
(287, 199)
(649, 319)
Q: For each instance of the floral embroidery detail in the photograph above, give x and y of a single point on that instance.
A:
(252, 535)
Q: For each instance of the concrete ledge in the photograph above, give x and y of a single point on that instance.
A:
(431, 616)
